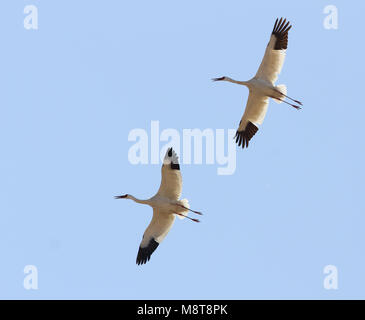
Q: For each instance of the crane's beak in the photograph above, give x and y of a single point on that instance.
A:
(218, 79)
(121, 197)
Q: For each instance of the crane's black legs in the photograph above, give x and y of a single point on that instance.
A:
(183, 215)
(197, 212)
(290, 104)
(293, 105)
(296, 101)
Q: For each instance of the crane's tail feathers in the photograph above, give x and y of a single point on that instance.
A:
(282, 89)
(183, 213)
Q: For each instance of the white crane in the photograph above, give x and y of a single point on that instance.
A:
(165, 204)
(262, 86)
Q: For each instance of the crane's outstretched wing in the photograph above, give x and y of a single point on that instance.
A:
(274, 57)
(156, 231)
(171, 180)
(253, 116)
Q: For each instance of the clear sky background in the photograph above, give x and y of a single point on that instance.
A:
(72, 91)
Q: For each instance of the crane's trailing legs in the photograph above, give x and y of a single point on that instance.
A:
(197, 212)
(296, 101)
(290, 104)
(183, 215)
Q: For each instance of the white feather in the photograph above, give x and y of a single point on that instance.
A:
(171, 180)
(272, 62)
(255, 111)
(159, 227)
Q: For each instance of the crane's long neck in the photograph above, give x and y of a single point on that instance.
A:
(139, 200)
(242, 83)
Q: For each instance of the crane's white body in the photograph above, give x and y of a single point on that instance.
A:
(166, 206)
(262, 85)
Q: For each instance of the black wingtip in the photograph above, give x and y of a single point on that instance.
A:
(144, 254)
(243, 137)
(175, 166)
(280, 31)
(174, 159)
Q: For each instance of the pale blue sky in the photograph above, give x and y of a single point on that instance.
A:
(72, 91)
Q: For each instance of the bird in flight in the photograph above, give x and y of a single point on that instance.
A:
(262, 85)
(165, 204)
